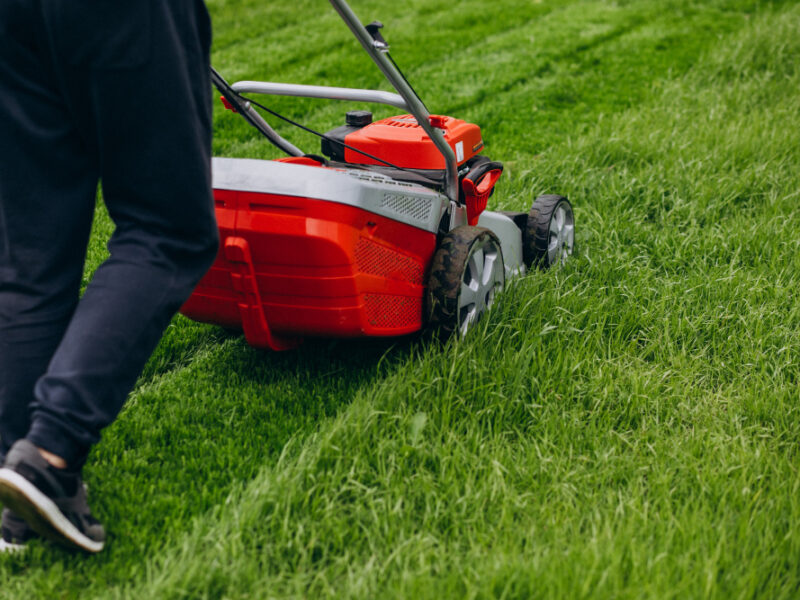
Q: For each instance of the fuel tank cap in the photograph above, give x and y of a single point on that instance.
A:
(358, 118)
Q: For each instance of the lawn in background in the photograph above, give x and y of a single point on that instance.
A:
(627, 426)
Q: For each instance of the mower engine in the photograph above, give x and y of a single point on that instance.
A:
(399, 140)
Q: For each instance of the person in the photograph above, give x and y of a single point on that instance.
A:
(116, 92)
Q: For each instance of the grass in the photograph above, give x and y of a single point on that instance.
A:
(624, 427)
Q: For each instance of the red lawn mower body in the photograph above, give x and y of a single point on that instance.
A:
(387, 234)
(296, 260)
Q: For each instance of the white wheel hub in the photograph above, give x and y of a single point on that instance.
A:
(483, 279)
(562, 234)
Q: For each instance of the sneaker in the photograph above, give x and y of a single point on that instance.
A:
(52, 501)
(16, 533)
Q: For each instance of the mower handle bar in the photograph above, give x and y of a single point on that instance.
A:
(320, 91)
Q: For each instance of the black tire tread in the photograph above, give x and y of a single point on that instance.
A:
(447, 271)
(537, 232)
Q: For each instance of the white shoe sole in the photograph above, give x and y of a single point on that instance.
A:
(9, 548)
(41, 513)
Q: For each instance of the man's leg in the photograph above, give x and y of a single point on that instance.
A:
(152, 125)
(47, 198)
(147, 114)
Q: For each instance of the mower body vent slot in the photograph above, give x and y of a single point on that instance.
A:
(376, 259)
(418, 209)
(407, 121)
(390, 312)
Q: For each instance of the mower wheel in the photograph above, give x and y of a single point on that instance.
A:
(466, 274)
(549, 236)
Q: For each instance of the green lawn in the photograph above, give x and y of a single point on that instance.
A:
(625, 427)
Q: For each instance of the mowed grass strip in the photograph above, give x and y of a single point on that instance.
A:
(626, 425)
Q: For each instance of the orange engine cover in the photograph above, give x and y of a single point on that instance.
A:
(402, 142)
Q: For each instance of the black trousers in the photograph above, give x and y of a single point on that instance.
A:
(110, 91)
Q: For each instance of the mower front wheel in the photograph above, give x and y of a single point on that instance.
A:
(549, 236)
(466, 274)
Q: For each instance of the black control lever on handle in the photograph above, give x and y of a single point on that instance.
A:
(481, 169)
(374, 30)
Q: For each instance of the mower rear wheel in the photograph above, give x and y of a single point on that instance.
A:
(466, 274)
(549, 237)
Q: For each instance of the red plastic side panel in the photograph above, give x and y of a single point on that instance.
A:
(319, 269)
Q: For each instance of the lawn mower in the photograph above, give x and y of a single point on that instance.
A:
(384, 234)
